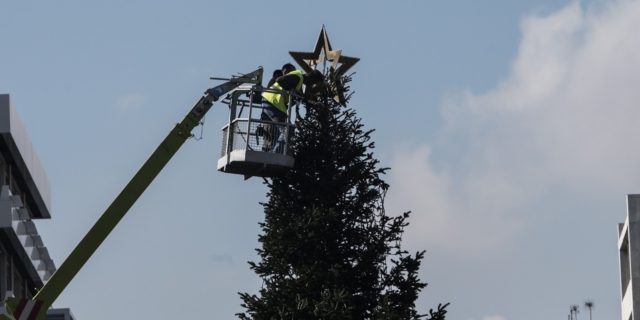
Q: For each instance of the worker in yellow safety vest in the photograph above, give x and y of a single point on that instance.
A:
(286, 69)
(274, 105)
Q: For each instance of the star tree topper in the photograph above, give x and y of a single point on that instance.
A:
(322, 53)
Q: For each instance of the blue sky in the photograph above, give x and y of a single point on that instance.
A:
(508, 126)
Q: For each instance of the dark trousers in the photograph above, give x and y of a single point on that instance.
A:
(273, 133)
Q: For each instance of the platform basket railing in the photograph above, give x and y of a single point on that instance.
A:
(258, 135)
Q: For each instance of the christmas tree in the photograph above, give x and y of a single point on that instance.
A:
(329, 250)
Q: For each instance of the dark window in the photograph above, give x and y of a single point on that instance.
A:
(9, 274)
(17, 286)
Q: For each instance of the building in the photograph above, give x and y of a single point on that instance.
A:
(629, 253)
(60, 314)
(25, 197)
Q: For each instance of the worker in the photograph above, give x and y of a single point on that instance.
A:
(274, 105)
(286, 69)
(276, 74)
(262, 130)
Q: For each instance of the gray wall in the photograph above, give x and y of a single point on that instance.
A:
(15, 141)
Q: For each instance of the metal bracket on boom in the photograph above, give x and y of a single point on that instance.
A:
(213, 94)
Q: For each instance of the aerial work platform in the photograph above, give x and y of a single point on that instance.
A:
(252, 146)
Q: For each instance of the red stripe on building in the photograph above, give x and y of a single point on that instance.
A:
(20, 308)
(35, 310)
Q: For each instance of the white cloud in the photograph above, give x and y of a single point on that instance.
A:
(452, 214)
(134, 100)
(567, 117)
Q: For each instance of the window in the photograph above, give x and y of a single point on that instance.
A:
(17, 286)
(25, 290)
(9, 273)
(625, 274)
(3, 175)
(4, 169)
(13, 186)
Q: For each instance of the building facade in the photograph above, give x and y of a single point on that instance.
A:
(25, 197)
(60, 314)
(629, 254)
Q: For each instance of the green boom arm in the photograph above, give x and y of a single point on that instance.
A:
(21, 308)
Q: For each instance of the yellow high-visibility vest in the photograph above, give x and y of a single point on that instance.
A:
(278, 100)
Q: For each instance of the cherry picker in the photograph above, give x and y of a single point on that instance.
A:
(241, 154)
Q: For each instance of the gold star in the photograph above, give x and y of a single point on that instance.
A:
(323, 52)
